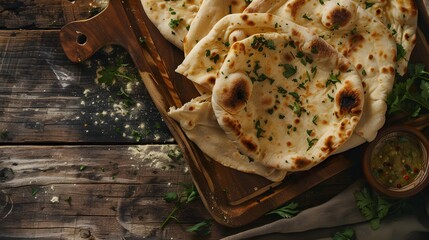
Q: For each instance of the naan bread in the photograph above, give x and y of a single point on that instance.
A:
(359, 36)
(210, 12)
(400, 16)
(203, 62)
(199, 123)
(288, 100)
(172, 18)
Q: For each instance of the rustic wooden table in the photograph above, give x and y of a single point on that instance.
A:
(83, 161)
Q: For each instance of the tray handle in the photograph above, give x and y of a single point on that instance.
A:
(81, 39)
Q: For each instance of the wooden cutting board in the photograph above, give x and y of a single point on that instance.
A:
(233, 198)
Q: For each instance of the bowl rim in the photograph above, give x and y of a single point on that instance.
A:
(419, 136)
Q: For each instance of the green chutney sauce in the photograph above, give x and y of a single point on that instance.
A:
(397, 161)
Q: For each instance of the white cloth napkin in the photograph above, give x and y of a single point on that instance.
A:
(321, 222)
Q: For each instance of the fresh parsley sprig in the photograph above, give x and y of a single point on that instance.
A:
(411, 95)
(287, 211)
(202, 228)
(375, 208)
(347, 234)
(187, 195)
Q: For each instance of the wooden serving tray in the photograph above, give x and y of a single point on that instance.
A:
(233, 198)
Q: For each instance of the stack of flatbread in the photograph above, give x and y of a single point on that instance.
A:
(285, 83)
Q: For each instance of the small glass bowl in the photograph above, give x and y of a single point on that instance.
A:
(420, 181)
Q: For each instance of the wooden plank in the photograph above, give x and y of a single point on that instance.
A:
(46, 98)
(45, 14)
(114, 192)
(116, 195)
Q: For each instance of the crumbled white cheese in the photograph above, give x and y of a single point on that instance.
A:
(55, 199)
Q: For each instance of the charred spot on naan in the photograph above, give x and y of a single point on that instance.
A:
(236, 94)
(300, 163)
(249, 144)
(355, 44)
(211, 80)
(388, 70)
(340, 17)
(328, 145)
(239, 47)
(321, 48)
(337, 16)
(232, 124)
(245, 18)
(349, 101)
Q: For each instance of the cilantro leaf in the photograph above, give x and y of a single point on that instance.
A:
(171, 197)
(287, 211)
(201, 228)
(368, 5)
(346, 234)
(333, 79)
(289, 70)
(412, 94)
(107, 75)
(174, 22)
(180, 199)
(400, 52)
(375, 208)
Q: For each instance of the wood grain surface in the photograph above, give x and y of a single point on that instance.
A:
(63, 136)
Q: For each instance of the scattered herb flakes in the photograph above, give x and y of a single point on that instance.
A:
(175, 154)
(314, 50)
(202, 228)
(139, 135)
(82, 167)
(411, 95)
(287, 211)
(142, 40)
(307, 17)
(259, 130)
(174, 23)
(346, 234)
(297, 109)
(118, 104)
(311, 142)
(68, 200)
(281, 90)
(260, 42)
(289, 70)
(368, 5)
(34, 190)
(172, 12)
(215, 58)
(333, 79)
(314, 120)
